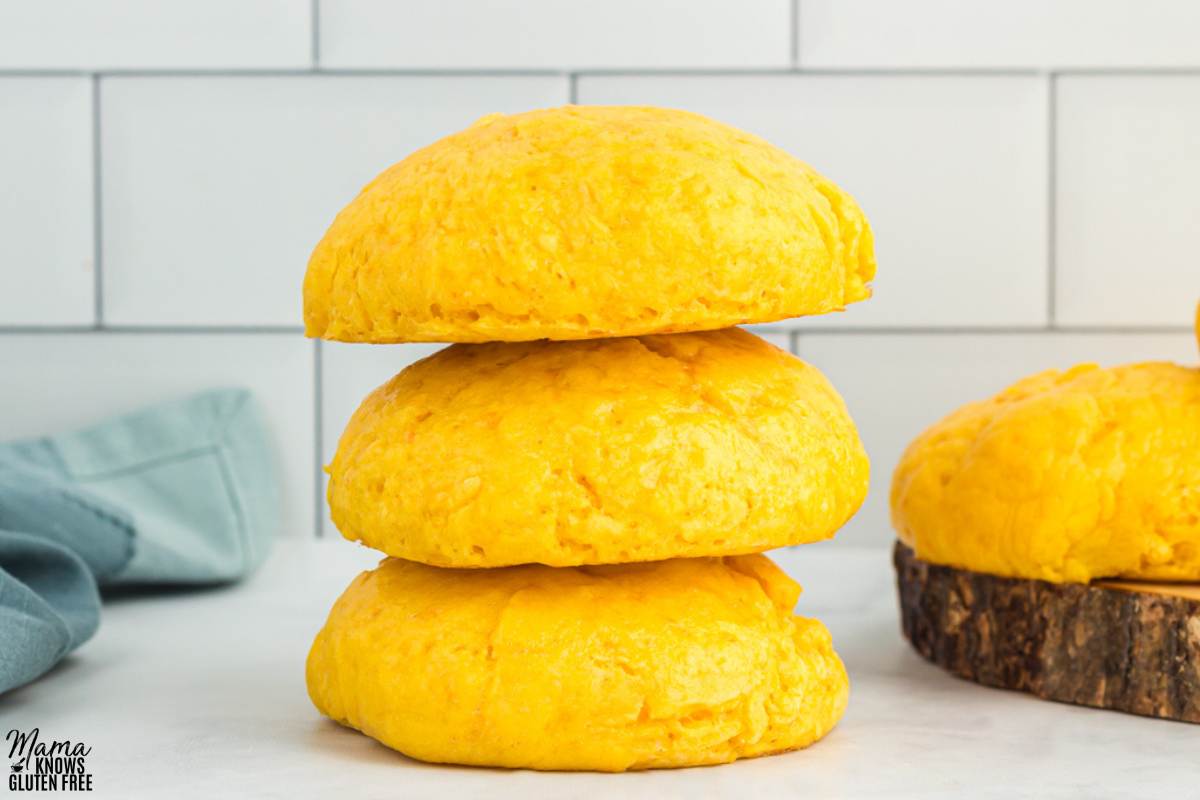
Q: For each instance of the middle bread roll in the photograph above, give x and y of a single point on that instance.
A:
(598, 452)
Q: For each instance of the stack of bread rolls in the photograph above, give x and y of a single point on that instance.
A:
(573, 497)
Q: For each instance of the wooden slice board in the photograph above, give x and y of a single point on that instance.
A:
(1122, 645)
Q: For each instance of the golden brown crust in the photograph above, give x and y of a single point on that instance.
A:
(667, 664)
(586, 222)
(598, 452)
(1065, 476)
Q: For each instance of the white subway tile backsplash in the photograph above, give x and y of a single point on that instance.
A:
(58, 382)
(230, 133)
(1015, 33)
(150, 34)
(46, 246)
(897, 385)
(217, 189)
(950, 170)
(349, 372)
(523, 34)
(781, 340)
(1127, 208)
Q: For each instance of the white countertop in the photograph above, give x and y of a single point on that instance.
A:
(201, 694)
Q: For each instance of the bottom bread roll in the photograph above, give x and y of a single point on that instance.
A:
(664, 664)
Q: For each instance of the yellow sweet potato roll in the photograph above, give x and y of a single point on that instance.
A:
(584, 222)
(667, 664)
(598, 452)
(1064, 477)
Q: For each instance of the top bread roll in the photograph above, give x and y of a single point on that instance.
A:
(586, 222)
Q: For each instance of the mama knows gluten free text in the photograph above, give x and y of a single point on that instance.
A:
(46, 766)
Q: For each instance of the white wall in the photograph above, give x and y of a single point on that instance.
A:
(1030, 168)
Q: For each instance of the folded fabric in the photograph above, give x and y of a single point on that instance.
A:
(48, 606)
(181, 493)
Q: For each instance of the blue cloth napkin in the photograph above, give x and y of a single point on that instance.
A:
(179, 494)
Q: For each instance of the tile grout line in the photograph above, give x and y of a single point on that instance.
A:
(257, 330)
(97, 211)
(315, 44)
(573, 88)
(1052, 200)
(681, 71)
(974, 330)
(318, 444)
(795, 35)
(533, 72)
